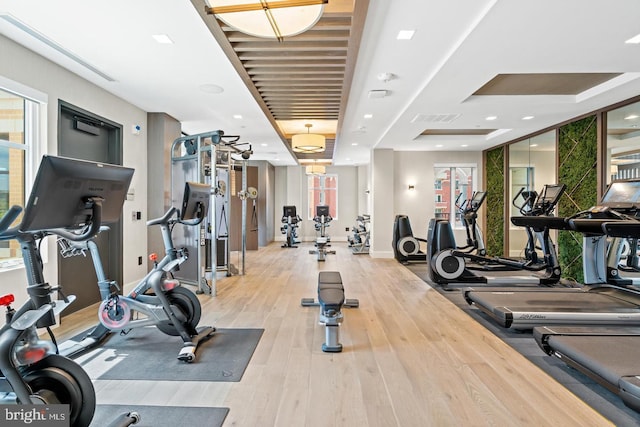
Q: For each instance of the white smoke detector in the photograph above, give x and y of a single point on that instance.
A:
(385, 77)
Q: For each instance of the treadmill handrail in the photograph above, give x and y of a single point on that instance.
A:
(629, 229)
(539, 223)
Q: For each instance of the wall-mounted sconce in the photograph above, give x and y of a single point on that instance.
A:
(412, 187)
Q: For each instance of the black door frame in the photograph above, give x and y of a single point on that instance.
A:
(116, 269)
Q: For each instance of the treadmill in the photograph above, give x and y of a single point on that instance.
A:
(607, 355)
(596, 303)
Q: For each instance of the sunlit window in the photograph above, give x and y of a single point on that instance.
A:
(18, 121)
(323, 190)
(453, 185)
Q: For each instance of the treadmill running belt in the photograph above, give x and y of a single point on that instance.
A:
(553, 302)
(611, 357)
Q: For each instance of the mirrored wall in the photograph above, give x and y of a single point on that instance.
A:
(532, 164)
(623, 143)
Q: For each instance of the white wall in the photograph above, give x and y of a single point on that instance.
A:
(382, 203)
(364, 192)
(25, 67)
(291, 189)
(417, 168)
(390, 176)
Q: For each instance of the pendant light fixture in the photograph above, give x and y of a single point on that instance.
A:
(315, 170)
(268, 19)
(308, 143)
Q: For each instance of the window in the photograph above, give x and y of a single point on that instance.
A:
(453, 185)
(19, 118)
(323, 190)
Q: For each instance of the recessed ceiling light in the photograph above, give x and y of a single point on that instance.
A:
(527, 117)
(491, 117)
(354, 143)
(631, 117)
(439, 146)
(264, 145)
(162, 38)
(634, 40)
(237, 116)
(464, 145)
(348, 159)
(405, 34)
(533, 145)
(368, 116)
(211, 88)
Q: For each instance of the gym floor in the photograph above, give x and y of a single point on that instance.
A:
(410, 358)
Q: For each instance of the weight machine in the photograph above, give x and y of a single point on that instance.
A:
(359, 241)
(210, 158)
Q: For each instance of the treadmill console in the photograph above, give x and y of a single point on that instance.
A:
(622, 195)
(547, 199)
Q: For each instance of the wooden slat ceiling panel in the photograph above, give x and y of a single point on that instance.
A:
(268, 71)
(287, 64)
(302, 77)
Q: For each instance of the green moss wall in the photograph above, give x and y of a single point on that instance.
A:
(577, 150)
(494, 170)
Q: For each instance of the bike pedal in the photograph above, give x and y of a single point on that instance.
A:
(187, 353)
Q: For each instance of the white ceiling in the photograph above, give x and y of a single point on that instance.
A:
(458, 46)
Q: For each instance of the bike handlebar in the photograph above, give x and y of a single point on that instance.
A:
(90, 231)
(9, 217)
(164, 219)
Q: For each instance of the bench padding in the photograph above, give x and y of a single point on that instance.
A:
(330, 291)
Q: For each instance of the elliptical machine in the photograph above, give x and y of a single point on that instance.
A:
(290, 221)
(406, 247)
(162, 302)
(321, 222)
(468, 211)
(449, 265)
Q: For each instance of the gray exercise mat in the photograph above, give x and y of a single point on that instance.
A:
(161, 416)
(148, 354)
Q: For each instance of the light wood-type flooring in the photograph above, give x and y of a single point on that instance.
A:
(410, 358)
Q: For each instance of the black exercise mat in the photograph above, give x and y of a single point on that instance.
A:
(161, 416)
(148, 354)
(599, 398)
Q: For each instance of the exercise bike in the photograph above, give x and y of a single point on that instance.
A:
(321, 223)
(159, 298)
(290, 221)
(70, 198)
(449, 265)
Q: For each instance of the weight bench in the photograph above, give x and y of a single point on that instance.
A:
(321, 248)
(330, 300)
